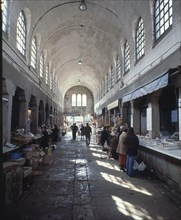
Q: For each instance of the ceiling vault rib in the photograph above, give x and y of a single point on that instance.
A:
(84, 26)
(71, 2)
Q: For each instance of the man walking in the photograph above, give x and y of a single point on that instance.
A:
(74, 131)
(87, 132)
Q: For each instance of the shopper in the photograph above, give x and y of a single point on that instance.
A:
(45, 138)
(87, 132)
(121, 149)
(104, 138)
(55, 134)
(131, 144)
(74, 131)
(82, 133)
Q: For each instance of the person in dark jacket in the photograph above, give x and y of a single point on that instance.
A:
(131, 143)
(104, 138)
(55, 134)
(82, 133)
(45, 138)
(87, 132)
(74, 131)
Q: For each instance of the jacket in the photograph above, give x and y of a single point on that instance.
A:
(121, 149)
(131, 143)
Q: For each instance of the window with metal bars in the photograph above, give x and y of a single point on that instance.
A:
(34, 53)
(126, 58)
(46, 73)
(4, 6)
(140, 39)
(118, 69)
(112, 77)
(163, 12)
(51, 81)
(21, 34)
(41, 65)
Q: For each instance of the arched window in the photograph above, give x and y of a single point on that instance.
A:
(140, 39)
(51, 81)
(103, 88)
(74, 100)
(118, 69)
(79, 100)
(126, 58)
(21, 34)
(46, 73)
(162, 16)
(84, 100)
(4, 6)
(106, 84)
(112, 77)
(34, 53)
(41, 65)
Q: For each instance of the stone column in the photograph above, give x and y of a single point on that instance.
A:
(154, 115)
(34, 125)
(179, 113)
(109, 117)
(7, 110)
(135, 116)
(23, 117)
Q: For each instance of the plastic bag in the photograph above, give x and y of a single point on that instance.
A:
(142, 166)
(135, 166)
(106, 145)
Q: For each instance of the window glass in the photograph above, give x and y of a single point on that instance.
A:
(74, 100)
(46, 73)
(41, 65)
(112, 77)
(140, 39)
(4, 6)
(33, 53)
(118, 69)
(84, 100)
(21, 34)
(51, 81)
(162, 16)
(126, 58)
(79, 100)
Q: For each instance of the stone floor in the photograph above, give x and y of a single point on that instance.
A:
(82, 183)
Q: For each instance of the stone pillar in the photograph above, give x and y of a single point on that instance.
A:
(114, 117)
(7, 110)
(109, 117)
(179, 113)
(135, 116)
(34, 125)
(23, 117)
(153, 116)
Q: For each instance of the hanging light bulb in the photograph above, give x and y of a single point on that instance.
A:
(79, 61)
(83, 6)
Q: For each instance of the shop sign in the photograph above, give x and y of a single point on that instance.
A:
(112, 105)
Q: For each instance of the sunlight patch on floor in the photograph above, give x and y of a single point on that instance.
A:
(108, 165)
(134, 211)
(123, 183)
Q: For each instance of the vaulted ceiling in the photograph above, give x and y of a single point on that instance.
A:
(68, 34)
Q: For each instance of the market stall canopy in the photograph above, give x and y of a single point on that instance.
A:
(153, 86)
